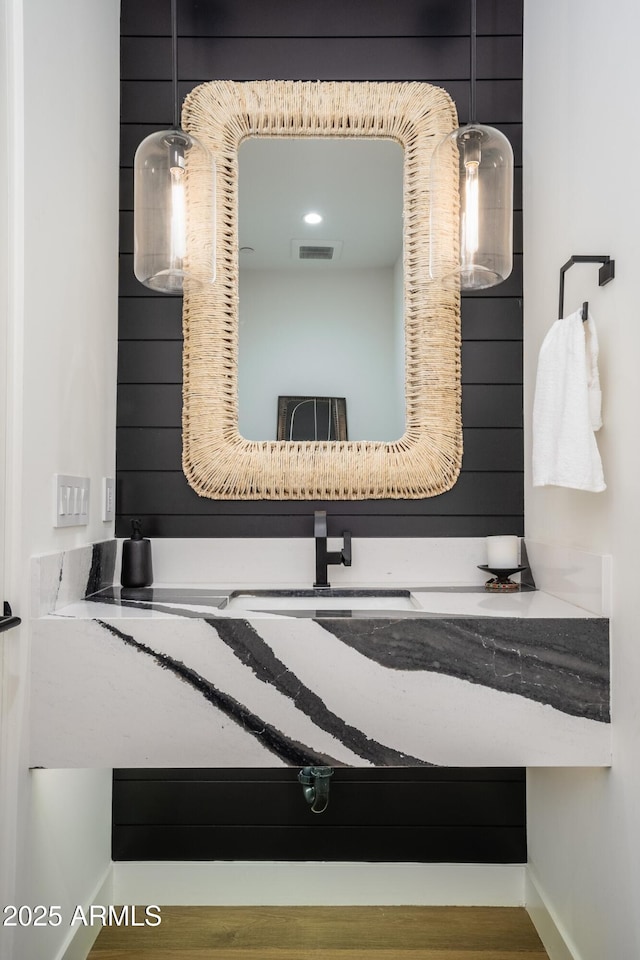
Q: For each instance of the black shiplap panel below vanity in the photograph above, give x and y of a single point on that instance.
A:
(417, 815)
(391, 814)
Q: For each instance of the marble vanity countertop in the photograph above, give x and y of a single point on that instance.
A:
(171, 601)
(177, 676)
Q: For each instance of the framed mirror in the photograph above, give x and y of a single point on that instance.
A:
(218, 461)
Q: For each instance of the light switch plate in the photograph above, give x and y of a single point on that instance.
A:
(71, 500)
(108, 498)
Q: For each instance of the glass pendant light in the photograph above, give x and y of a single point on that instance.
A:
(174, 183)
(484, 161)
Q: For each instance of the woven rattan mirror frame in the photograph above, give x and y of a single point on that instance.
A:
(218, 462)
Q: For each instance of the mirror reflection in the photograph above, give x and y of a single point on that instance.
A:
(321, 308)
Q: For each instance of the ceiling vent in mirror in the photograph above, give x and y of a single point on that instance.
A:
(315, 253)
(320, 250)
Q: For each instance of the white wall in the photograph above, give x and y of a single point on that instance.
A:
(7, 805)
(4, 271)
(580, 197)
(63, 167)
(350, 352)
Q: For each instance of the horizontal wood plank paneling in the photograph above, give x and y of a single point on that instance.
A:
(474, 844)
(499, 101)
(517, 230)
(276, 525)
(126, 197)
(289, 18)
(245, 39)
(150, 361)
(445, 58)
(469, 815)
(160, 318)
(492, 361)
(132, 134)
(423, 58)
(492, 406)
(493, 450)
(126, 231)
(512, 286)
(160, 405)
(429, 814)
(499, 16)
(344, 774)
(143, 448)
(352, 804)
(145, 18)
(147, 102)
(156, 318)
(160, 361)
(160, 448)
(334, 18)
(491, 318)
(475, 493)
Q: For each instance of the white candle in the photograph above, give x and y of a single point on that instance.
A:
(502, 552)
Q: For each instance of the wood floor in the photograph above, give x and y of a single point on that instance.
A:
(326, 933)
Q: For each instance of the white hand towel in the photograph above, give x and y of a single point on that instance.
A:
(566, 408)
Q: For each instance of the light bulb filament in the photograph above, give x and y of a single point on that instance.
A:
(178, 218)
(471, 212)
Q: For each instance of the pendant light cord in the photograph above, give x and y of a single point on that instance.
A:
(174, 63)
(472, 63)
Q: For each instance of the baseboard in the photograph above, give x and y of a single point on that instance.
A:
(81, 938)
(318, 884)
(554, 938)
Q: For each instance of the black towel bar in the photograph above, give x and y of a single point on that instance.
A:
(606, 273)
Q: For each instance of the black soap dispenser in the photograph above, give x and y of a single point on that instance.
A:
(137, 570)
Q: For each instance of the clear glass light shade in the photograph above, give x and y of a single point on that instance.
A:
(477, 246)
(174, 212)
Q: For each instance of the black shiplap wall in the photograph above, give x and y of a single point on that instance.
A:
(336, 40)
(387, 814)
(424, 814)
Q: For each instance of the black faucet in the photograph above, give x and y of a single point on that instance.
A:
(323, 556)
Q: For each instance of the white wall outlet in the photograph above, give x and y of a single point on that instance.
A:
(71, 504)
(108, 498)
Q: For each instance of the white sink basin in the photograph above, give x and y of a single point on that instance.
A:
(473, 602)
(344, 600)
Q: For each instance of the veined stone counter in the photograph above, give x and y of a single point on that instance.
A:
(169, 677)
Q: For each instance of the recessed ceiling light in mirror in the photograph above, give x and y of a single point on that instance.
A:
(312, 218)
